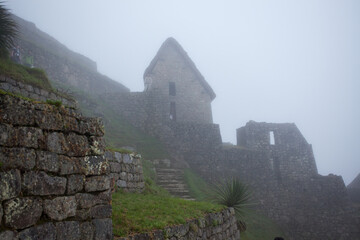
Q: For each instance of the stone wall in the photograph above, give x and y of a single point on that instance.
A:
(219, 226)
(126, 171)
(289, 155)
(33, 92)
(63, 66)
(54, 181)
(316, 207)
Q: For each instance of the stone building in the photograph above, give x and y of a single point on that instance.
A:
(173, 75)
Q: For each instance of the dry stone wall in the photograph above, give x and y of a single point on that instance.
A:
(126, 171)
(33, 92)
(219, 226)
(54, 181)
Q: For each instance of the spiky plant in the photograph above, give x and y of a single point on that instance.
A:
(235, 194)
(8, 29)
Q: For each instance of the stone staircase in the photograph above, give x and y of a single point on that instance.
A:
(170, 176)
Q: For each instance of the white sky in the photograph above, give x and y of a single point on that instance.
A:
(267, 60)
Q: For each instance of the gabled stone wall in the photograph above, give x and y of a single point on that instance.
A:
(54, 181)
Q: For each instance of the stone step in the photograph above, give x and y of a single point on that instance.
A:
(172, 179)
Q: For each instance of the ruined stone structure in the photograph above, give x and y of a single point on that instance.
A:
(289, 153)
(274, 159)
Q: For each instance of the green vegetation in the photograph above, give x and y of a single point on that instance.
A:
(32, 76)
(235, 194)
(199, 189)
(8, 30)
(16, 95)
(136, 213)
(54, 102)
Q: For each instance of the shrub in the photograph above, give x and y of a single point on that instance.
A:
(54, 102)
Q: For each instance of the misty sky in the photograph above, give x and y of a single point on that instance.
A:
(273, 61)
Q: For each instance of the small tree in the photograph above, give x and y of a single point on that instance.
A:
(8, 30)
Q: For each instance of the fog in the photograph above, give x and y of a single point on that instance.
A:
(272, 61)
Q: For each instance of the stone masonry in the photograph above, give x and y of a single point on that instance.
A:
(126, 171)
(54, 181)
(33, 92)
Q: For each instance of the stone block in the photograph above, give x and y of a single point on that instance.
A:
(20, 213)
(130, 177)
(69, 230)
(47, 161)
(10, 184)
(94, 165)
(109, 156)
(71, 124)
(92, 126)
(97, 183)
(87, 200)
(86, 231)
(56, 142)
(60, 208)
(83, 214)
(39, 183)
(17, 113)
(49, 120)
(8, 235)
(123, 176)
(21, 158)
(75, 183)
(45, 231)
(121, 184)
(115, 167)
(118, 157)
(6, 134)
(28, 137)
(103, 229)
(78, 145)
(127, 158)
(97, 145)
(69, 165)
(101, 211)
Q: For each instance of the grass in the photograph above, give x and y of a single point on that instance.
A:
(138, 213)
(199, 189)
(33, 76)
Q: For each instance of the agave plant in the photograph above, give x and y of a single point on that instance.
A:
(235, 194)
(8, 28)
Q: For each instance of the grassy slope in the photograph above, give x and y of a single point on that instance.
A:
(32, 76)
(136, 213)
(259, 227)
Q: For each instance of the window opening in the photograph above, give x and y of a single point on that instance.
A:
(172, 89)
(172, 111)
(272, 138)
